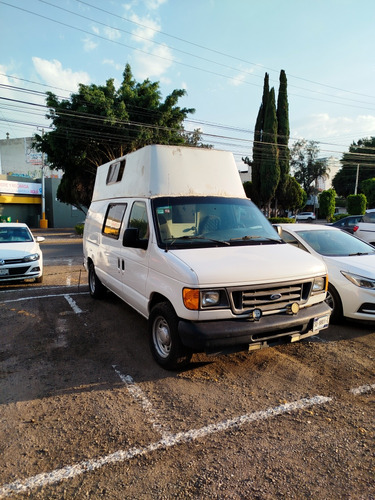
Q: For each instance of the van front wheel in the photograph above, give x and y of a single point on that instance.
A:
(166, 346)
(96, 287)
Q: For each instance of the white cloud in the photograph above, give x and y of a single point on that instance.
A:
(335, 133)
(146, 29)
(111, 62)
(112, 33)
(52, 73)
(89, 44)
(323, 125)
(153, 64)
(240, 78)
(155, 59)
(154, 4)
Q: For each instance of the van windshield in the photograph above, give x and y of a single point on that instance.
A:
(183, 222)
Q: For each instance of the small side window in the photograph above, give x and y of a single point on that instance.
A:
(113, 219)
(138, 219)
(115, 172)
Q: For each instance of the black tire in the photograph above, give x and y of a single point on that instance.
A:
(96, 287)
(165, 344)
(334, 302)
(309, 219)
(39, 280)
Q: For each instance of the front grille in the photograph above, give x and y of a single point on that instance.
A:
(269, 298)
(13, 261)
(15, 271)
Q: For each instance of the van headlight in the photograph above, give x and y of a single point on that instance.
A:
(197, 299)
(31, 257)
(320, 284)
(360, 281)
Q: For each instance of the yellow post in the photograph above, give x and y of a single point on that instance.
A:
(43, 222)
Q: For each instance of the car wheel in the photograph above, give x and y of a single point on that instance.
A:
(96, 287)
(39, 280)
(334, 302)
(309, 219)
(166, 346)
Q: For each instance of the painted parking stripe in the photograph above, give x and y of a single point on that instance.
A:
(41, 297)
(363, 389)
(73, 304)
(141, 397)
(71, 471)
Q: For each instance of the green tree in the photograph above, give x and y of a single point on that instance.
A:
(368, 188)
(361, 158)
(255, 163)
(327, 200)
(294, 197)
(283, 133)
(269, 166)
(357, 204)
(306, 164)
(270, 160)
(100, 123)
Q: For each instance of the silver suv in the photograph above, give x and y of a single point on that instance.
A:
(307, 216)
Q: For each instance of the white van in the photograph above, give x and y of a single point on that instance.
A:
(171, 232)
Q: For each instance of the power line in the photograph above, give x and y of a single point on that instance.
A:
(186, 53)
(231, 56)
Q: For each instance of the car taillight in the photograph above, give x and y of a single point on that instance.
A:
(355, 228)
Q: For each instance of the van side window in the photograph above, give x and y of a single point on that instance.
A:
(113, 219)
(115, 172)
(138, 219)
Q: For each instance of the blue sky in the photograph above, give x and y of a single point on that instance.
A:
(218, 50)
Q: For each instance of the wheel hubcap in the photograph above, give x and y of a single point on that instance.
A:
(162, 337)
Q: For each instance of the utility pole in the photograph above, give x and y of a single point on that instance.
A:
(356, 180)
(43, 220)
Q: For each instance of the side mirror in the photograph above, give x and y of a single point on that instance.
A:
(39, 239)
(131, 239)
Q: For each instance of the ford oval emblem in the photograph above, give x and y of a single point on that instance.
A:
(275, 296)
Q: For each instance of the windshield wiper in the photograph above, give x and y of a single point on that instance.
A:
(248, 237)
(186, 237)
(358, 253)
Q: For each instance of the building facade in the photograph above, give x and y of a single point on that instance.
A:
(28, 187)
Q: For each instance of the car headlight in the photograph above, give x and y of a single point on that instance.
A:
(31, 257)
(320, 284)
(360, 281)
(196, 299)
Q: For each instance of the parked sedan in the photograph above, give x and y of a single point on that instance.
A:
(348, 223)
(20, 254)
(350, 263)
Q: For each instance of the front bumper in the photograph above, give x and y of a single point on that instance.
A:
(20, 272)
(238, 334)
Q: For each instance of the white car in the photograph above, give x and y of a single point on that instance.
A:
(306, 216)
(20, 254)
(350, 263)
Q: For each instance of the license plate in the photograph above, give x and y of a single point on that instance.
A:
(4, 272)
(320, 323)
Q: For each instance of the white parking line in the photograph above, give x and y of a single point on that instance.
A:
(140, 396)
(363, 389)
(73, 304)
(42, 297)
(69, 277)
(71, 471)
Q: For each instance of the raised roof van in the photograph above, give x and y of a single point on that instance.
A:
(171, 232)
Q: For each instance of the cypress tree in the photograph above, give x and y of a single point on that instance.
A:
(269, 166)
(283, 134)
(257, 145)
